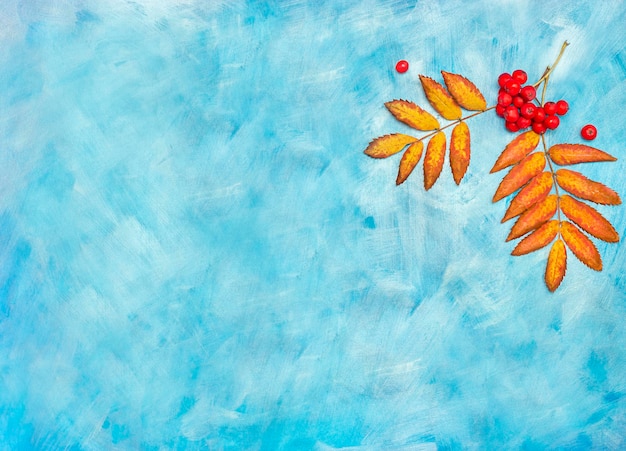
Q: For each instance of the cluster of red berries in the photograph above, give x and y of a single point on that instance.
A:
(516, 106)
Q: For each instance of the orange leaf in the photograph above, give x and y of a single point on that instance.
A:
(580, 186)
(409, 160)
(588, 219)
(433, 161)
(517, 177)
(388, 145)
(459, 151)
(582, 247)
(439, 98)
(557, 265)
(538, 188)
(464, 92)
(534, 217)
(517, 149)
(538, 239)
(412, 115)
(564, 154)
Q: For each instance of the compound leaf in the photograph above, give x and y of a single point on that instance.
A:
(588, 219)
(517, 177)
(534, 217)
(409, 160)
(538, 239)
(412, 115)
(434, 158)
(517, 149)
(464, 92)
(581, 246)
(440, 99)
(459, 151)
(566, 154)
(580, 186)
(557, 265)
(388, 145)
(537, 189)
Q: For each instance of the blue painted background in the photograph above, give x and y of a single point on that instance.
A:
(196, 254)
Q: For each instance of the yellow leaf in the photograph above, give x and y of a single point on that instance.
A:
(439, 98)
(412, 115)
(538, 239)
(459, 151)
(433, 161)
(582, 247)
(564, 154)
(588, 219)
(580, 186)
(517, 149)
(557, 265)
(464, 92)
(388, 145)
(537, 189)
(534, 217)
(517, 177)
(409, 160)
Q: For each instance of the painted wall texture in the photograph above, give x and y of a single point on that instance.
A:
(196, 254)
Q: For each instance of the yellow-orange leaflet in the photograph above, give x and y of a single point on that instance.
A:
(534, 217)
(517, 149)
(409, 160)
(538, 239)
(464, 92)
(433, 161)
(564, 154)
(538, 188)
(517, 177)
(588, 219)
(412, 115)
(388, 145)
(439, 98)
(557, 265)
(580, 186)
(581, 246)
(459, 151)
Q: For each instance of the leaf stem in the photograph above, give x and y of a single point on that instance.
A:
(554, 182)
(546, 74)
(434, 132)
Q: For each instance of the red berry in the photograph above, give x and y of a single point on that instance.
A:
(523, 122)
(528, 110)
(562, 107)
(518, 101)
(512, 87)
(520, 76)
(539, 128)
(402, 66)
(540, 114)
(511, 126)
(550, 108)
(505, 99)
(503, 78)
(511, 114)
(589, 132)
(551, 122)
(500, 110)
(528, 93)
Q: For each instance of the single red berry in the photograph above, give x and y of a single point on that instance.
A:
(511, 114)
(402, 66)
(551, 122)
(505, 99)
(528, 93)
(539, 128)
(511, 126)
(512, 87)
(550, 108)
(540, 115)
(589, 132)
(518, 101)
(528, 110)
(523, 122)
(503, 78)
(500, 110)
(520, 76)
(562, 107)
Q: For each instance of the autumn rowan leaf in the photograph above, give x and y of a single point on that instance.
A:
(557, 265)
(459, 151)
(516, 150)
(538, 239)
(537, 189)
(534, 217)
(412, 115)
(580, 186)
(588, 219)
(566, 154)
(440, 99)
(517, 177)
(388, 145)
(433, 161)
(464, 92)
(409, 160)
(581, 246)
